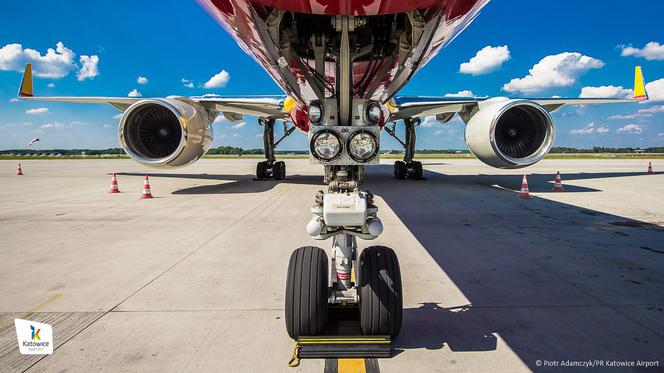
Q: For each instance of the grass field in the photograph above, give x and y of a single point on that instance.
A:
(383, 156)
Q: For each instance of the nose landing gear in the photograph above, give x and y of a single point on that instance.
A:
(371, 284)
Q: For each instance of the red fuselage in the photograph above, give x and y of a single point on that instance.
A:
(384, 74)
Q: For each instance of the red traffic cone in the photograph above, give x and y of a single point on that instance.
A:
(649, 168)
(524, 193)
(114, 185)
(146, 189)
(19, 171)
(558, 183)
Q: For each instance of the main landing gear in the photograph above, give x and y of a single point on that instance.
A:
(270, 167)
(370, 283)
(408, 168)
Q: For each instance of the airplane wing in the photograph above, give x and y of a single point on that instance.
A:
(231, 107)
(406, 107)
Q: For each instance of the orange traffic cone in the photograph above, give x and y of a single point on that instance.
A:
(146, 189)
(649, 168)
(114, 185)
(524, 193)
(19, 171)
(558, 183)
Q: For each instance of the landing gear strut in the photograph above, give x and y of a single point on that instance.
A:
(371, 283)
(408, 168)
(270, 167)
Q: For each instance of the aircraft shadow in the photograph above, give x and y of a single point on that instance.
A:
(553, 281)
(540, 183)
(232, 184)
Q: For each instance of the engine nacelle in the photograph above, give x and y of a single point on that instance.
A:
(507, 133)
(165, 133)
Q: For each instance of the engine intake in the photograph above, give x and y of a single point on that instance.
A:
(507, 133)
(165, 133)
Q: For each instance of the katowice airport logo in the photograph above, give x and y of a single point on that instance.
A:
(34, 338)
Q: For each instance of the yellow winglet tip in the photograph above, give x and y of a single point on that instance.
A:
(639, 85)
(26, 84)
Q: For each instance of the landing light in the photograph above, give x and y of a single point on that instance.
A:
(374, 112)
(362, 146)
(315, 112)
(326, 146)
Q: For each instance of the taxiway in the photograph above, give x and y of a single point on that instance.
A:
(193, 279)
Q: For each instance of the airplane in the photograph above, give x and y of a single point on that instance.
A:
(341, 64)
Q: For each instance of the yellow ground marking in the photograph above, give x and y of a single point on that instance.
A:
(351, 366)
(37, 308)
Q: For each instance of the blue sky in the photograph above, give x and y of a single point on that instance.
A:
(168, 41)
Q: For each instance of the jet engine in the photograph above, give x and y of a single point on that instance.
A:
(507, 133)
(166, 133)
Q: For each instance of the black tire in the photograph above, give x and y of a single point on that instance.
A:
(279, 170)
(306, 292)
(416, 170)
(381, 303)
(400, 170)
(261, 170)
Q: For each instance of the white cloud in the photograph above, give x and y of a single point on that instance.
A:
(51, 85)
(607, 91)
(14, 99)
(135, 93)
(37, 111)
(56, 63)
(661, 134)
(651, 51)
(429, 121)
(218, 80)
(626, 116)
(642, 113)
(633, 129)
(142, 80)
(56, 125)
(554, 71)
(465, 93)
(89, 69)
(118, 116)
(486, 60)
(239, 125)
(220, 118)
(655, 90)
(187, 83)
(589, 129)
(652, 110)
(108, 126)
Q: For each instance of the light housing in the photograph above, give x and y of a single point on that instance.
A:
(374, 112)
(362, 146)
(315, 112)
(326, 146)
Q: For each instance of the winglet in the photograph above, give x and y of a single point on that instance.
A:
(26, 84)
(639, 87)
